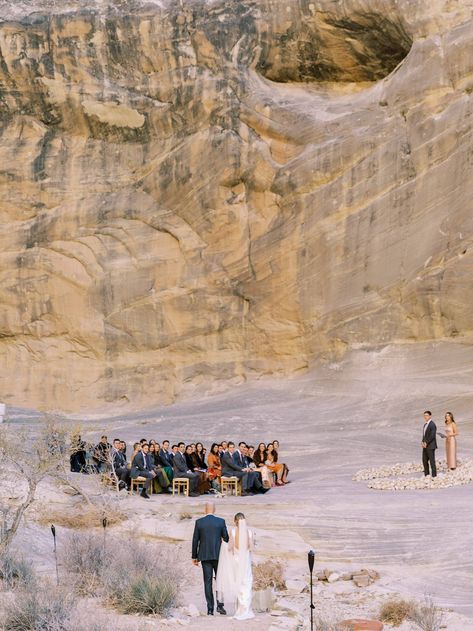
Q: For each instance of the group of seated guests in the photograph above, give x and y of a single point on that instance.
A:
(256, 469)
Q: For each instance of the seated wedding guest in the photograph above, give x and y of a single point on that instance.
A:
(200, 456)
(165, 459)
(143, 441)
(141, 466)
(119, 465)
(222, 448)
(260, 455)
(181, 469)
(174, 450)
(193, 463)
(263, 474)
(214, 465)
(272, 465)
(276, 459)
(101, 454)
(250, 482)
(259, 459)
(250, 454)
(123, 447)
(78, 453)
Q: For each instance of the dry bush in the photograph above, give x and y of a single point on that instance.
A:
(135, 577)
(184, 515)
(394, 611)
(81, 518)
(15, 571)
(39, 609)
(322, 624)
(270, 573)
(426, 616)
(135, 585)
(84, 558)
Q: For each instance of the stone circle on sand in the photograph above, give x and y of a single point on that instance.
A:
(390, 478)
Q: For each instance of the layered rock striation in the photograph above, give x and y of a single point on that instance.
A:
(196, 192)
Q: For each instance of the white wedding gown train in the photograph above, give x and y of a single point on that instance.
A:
(234, 575)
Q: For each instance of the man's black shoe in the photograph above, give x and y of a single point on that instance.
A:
(263, 490)
(194, 494)
(167, 490)
(221, 610)
(145, 495)
(210, 613)
(121, 485)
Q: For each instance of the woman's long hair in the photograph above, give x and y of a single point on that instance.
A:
(451, 416)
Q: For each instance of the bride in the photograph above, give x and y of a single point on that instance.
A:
(234, 575)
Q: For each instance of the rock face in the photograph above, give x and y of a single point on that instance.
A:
(193, 192)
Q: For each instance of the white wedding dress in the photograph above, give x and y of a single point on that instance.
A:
(234, 575)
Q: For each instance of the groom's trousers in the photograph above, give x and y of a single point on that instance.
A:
(428, 456)
(209, 568)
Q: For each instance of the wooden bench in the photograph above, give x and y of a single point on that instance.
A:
(230, 485)
(137, 484)
(180, 485)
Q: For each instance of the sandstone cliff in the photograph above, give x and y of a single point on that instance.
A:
(202, 191)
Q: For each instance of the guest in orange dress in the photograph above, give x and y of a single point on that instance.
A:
(451, 434)
(213, 463)
(273, 465)
(276, 459)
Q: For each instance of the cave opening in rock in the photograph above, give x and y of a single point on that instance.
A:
(358, 48)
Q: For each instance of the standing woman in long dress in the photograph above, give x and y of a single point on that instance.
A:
(451, 434)
(235, 574)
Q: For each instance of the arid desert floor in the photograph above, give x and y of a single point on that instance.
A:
(331, 422)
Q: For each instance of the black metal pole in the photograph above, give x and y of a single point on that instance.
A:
(104, 525)
(311, 558)
(53, 530)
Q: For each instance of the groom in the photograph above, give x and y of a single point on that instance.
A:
(429, 444)
(209, 532)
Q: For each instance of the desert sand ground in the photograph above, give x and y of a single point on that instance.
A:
(331, 422)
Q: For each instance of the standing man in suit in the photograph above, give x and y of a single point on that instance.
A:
(429, 444)
(181, 470)
(209, 532)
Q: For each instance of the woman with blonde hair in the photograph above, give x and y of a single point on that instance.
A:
(451, 434)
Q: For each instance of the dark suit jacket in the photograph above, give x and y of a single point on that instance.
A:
(119, 459)
(138, 464)
(179, 463)
(165, 458)
(209, 532)
(238, 459)
(430, 436)
(229, 466)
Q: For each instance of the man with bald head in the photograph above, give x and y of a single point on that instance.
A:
(209, 532)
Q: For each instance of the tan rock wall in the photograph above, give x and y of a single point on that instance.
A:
(192, 195)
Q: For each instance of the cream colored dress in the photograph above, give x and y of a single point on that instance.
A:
(450, 448)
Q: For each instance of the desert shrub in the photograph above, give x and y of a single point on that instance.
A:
(123, 573)
(15, 571)
(38, 609)
(84, 557)
(322, 624)
(394, 611)
(426, 616)
(85, 517)
(134, 585)
(147, 595)
(270, 573)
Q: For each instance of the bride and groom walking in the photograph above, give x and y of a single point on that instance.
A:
(227, 555)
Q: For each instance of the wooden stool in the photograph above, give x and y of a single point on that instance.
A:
(138, 482)
(229, 486)
(180, 485)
